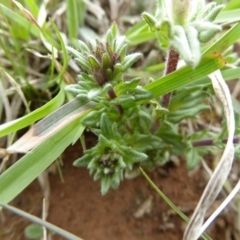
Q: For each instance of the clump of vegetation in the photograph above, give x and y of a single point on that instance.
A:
(132, 134)
(140, 123)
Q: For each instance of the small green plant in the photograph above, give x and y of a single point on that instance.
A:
(33, 231)
(143, 135)
(139, 124)
(184, 25)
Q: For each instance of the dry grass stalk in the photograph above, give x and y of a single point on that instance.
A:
(220, 174)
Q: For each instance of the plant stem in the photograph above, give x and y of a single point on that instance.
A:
(171, 66)
(112, 95)
(210, 142)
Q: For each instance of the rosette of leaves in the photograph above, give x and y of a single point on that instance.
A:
(101, 79)
(184, 25)
(109, 159)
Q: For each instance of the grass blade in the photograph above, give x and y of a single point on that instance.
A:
(75, 17)
(20, 20)
(39, 221)
(169, 202)
(227, 40)
(186, 75)
(32, 117)
(16, 178)
(228, 16)
(221, 172)
(49, 126)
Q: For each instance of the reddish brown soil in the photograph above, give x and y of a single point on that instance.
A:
(77, 205)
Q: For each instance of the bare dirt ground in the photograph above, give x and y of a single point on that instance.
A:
(76, 205)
